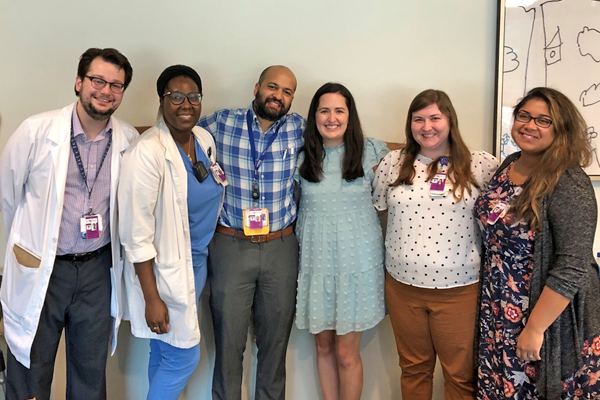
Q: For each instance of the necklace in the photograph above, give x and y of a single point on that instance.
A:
(189, 152)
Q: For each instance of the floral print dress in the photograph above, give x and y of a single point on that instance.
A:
(508, 265)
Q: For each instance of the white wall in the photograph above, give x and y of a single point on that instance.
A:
(385, 51)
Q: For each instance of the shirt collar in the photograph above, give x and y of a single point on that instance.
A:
(78, 129)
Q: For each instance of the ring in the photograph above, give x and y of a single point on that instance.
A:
(155, 328)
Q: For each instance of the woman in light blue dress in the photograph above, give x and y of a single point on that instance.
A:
(341, 278)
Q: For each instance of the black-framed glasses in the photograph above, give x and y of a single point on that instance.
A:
(99, 83)
(525, 117)
(178, 98)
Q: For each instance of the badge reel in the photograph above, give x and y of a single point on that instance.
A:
(91, 225)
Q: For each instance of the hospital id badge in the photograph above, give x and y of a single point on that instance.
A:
(218, 174)
(256, 221)
(438, 186)
(498, 212)
(90, 226)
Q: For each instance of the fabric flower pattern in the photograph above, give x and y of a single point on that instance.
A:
(507, 268)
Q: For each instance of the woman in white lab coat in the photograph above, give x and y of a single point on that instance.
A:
(168, 206)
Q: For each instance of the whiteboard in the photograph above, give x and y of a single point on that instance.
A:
(554, 43)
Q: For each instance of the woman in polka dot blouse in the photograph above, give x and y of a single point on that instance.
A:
(432, 247)
(341, 278)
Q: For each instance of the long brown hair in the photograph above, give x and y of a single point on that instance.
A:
(571, 148)
(314, 153)
(459, 169)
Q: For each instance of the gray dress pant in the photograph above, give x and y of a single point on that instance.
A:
(77, 300)
(248, 277)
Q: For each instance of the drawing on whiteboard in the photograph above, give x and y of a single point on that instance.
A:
(552, 51)
(554, 43)
(590, 96)
(511, 60)
(588, 41)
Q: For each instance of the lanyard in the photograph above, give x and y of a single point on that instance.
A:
(258, 162)
(80, 163)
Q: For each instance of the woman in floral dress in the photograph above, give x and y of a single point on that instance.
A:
(539, 315)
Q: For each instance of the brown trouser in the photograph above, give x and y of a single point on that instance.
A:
(427, 322)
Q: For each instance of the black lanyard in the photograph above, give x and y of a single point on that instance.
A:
(80, 163)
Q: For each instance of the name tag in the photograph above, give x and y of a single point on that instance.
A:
(499, 211)
(256, 221)
(218, 174)
(90, 226)
(439, 186)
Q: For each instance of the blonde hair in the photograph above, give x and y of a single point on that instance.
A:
(571, 148)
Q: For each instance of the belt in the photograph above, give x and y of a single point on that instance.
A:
(255, 238)
(83, 257)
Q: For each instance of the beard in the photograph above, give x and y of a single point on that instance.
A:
(93, 112)
(260, 108)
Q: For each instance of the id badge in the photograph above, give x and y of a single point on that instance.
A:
(218, 174)
(438, 186)
(256, 221)
(498, 212)
(91, 226)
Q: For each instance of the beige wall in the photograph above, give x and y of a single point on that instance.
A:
(384, 51)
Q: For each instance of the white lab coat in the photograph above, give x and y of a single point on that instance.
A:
(33, 172)
(154, 224)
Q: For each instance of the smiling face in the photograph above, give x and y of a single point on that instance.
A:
(332, 119)
(431, 130)
(531, 139)
(183, 117)
(100, 104)
(273, 96)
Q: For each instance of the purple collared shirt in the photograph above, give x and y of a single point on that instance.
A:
(76, 202)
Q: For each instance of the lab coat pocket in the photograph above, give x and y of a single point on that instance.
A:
(25, 257)
(20, 277)
(171, 282)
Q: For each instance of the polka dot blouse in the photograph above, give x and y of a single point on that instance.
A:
(431, 242)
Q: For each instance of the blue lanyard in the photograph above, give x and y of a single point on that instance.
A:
(80, 163)
(258, 162)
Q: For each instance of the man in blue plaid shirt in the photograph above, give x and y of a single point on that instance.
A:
(257, 149)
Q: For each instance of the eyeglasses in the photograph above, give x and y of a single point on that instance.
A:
(178, 98)
(525, 117)
(99, 83)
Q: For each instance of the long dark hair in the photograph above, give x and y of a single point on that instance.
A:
(459, 170)
(354, 141)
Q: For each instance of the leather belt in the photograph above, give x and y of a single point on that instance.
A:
(83, 257)
(255, 238)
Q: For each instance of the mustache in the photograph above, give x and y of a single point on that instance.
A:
(274, 100)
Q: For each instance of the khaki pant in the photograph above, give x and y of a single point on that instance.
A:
(430, 322)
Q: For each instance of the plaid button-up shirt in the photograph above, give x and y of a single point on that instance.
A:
(276, 172)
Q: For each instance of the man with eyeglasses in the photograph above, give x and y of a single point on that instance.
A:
(253, 258)
(62, 270)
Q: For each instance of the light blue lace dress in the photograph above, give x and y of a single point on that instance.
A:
(341, 277)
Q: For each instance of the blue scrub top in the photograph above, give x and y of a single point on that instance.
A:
(203, 201)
